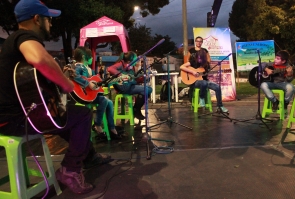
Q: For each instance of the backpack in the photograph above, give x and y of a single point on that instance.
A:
(164, 92)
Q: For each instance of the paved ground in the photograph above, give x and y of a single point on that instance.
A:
(221, 157)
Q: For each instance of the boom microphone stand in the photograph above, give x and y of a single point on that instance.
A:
(258, 114)
(219, 111)
(169, 120)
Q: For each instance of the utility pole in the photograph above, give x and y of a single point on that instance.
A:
(184, 25)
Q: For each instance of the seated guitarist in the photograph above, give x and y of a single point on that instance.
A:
(282, 75)
(83, 58)
(26, 44)
(200, 58)
(128, 85)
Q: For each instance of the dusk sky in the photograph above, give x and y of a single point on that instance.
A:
(169, 20)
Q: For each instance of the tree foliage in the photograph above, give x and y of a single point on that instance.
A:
(78, 13)
(142, 41)
(253, 20)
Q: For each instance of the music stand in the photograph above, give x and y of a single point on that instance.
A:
(219, 111)
(169, 120)
(258, 114)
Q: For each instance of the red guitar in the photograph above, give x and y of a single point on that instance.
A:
(86, 95)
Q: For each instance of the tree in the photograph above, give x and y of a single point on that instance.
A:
(140, 38)
(167, 46)
(7, 19)
(252, 20)
(78, 13)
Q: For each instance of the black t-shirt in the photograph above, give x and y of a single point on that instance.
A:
(201, 54)
(10, 55)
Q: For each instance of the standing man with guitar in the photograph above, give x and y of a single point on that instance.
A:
(26, 45)
(281, 74)
(199, 62)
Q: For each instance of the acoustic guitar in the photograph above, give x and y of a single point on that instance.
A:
(188, 78)
(41, 100)
(264, 77)
(86, 95)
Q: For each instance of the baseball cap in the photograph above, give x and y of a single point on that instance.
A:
(26, 9)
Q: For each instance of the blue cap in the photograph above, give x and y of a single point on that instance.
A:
(26, 9)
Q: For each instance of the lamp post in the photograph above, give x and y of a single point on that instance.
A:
(185, 39)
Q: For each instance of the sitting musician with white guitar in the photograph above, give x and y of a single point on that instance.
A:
(83, 59)
(199, 59)
(128, 84)
(24, 50)
(281, 74)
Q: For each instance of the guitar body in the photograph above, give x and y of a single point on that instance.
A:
(86, 95)
(188, 78)
(253, 76)
(31, 87)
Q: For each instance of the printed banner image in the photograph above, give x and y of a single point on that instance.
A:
(247, 53)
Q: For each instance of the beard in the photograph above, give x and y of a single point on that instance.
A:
(45, 34)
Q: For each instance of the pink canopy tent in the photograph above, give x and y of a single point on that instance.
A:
(104, 30)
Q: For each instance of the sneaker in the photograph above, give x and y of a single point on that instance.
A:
(98, 159)
(223, 109)
(201, 102)
(73, 180)
(275, 105)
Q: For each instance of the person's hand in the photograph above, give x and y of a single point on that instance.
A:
(196, 74)
(92, 85)
(268, 71)
(289, 70)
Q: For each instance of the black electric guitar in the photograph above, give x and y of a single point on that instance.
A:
(40, 99)
(264, 77)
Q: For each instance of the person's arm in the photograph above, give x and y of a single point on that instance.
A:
(289, 74)
(115, 68)
(36, 55)
(185, 67)
(79, 77)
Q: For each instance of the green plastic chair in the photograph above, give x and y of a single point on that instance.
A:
(104, 120)
(19, 171)
(195, 100)
(291, 117)
(125, 114)
(267, 106)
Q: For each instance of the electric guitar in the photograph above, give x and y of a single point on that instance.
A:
(264, 77)
(188, 78)
(41, 100)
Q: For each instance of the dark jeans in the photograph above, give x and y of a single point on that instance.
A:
(76, 132)
(203, 85)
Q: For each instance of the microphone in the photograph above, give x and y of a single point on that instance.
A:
(161, 41)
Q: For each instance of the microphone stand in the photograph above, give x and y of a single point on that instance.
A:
(169, 120)
(148, 137)
(258, 114)
(219, 111)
